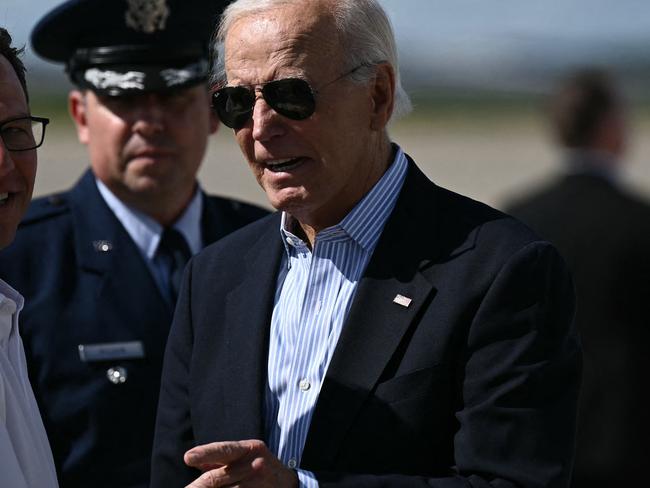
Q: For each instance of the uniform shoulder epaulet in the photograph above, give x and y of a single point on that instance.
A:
(44, 208)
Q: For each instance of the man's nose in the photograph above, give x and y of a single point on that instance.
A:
(267, 123)
(148, 116)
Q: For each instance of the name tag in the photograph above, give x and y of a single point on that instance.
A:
(110, 351)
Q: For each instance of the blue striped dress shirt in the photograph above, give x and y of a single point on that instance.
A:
(313, 296)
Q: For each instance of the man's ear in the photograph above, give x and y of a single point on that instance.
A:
(383, 96)
(78, 111)
(214, 121)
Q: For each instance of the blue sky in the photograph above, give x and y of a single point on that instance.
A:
(481, 41)
(436, 20)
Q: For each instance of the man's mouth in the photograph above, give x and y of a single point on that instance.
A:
(151, 154)
(281, 165)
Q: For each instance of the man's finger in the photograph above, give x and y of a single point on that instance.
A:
(232, 476)
(220, 453)
(214, 479)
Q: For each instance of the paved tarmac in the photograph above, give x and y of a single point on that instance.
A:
(487, 160)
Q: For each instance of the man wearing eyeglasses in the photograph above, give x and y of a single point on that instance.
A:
(378, 331)
(100, 264)
(25, 456)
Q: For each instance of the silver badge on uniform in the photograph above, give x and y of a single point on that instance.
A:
(102, 246)
(147, 16)
(117, 375)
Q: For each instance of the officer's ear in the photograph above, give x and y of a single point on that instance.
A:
(77, 106)
(214, 120)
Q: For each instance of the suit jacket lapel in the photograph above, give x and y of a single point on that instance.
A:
(127, 295)
(376, 325)
(249, 307)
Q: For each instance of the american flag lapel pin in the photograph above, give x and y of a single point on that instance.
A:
(402, 300)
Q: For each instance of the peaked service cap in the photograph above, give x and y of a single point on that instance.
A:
(118, 47)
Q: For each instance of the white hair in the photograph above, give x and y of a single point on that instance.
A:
(364, 30)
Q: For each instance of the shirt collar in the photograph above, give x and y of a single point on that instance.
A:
(146, 232)
(365, 222)
(7, 291)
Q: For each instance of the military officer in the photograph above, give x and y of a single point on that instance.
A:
(99, 264)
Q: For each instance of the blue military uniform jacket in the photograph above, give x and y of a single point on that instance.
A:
(85, 282)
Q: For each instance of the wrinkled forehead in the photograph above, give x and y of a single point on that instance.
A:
(282, 39)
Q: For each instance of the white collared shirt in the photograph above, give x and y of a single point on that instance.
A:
(25, 455)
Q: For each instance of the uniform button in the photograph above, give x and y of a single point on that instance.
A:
(304, 385)
(290, 241)
(292, 463)
(116, 375)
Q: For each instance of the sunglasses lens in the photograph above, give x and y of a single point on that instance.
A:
(234, 105)
(291, 97)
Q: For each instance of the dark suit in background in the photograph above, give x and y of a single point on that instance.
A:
(603, 232)
(473, 384)
(85, 282)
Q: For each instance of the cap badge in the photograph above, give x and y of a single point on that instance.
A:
(131, 80)
(175, 77)
(147, 16)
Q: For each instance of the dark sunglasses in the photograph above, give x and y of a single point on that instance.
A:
(293, 98)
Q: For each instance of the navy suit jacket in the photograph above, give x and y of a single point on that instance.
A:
(85, 282)
(472, 385)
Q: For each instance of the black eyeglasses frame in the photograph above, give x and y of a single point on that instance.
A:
(42, 120)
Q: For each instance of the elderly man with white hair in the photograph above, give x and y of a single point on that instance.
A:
(377, 331)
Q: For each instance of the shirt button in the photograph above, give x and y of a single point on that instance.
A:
(292, 463)
(304, 385)
(290, 241)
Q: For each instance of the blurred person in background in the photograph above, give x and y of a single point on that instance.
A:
(603, 231)
(100, 264)
(25, 456)
(378, 331)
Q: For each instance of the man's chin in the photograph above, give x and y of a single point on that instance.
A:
(288, 199)
(147, 184)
